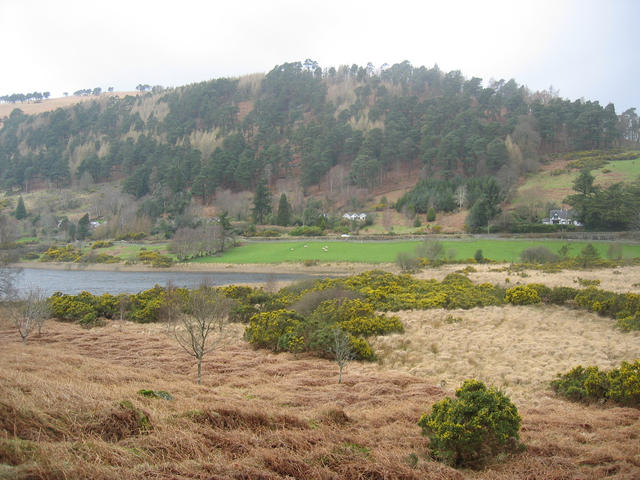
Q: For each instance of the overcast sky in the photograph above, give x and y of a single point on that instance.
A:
(584, 48)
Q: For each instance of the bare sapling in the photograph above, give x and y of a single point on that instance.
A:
(31, 312)
(200, 326)
(342, 350)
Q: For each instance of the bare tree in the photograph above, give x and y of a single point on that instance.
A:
(201, 326)
(30, 312)
(8, 276)
(461, 196)
(342, 350)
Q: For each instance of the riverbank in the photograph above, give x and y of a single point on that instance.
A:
(332, 268)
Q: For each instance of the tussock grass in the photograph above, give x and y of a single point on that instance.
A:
(519, 349)
(619, 280)
(257, 415)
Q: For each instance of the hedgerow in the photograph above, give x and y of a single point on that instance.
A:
(68, 253)
(590, 384)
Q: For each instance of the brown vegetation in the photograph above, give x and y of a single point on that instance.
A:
(32, 108)
(257, 415)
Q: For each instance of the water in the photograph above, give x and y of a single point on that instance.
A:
(75, 281)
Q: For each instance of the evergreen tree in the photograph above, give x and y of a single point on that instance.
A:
(431, 215)
(261, 202)
(225, 229)
(21, 211)
(284, 212)
(82, 231)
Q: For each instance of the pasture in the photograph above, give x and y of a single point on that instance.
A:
(554, 187)
(375, 252)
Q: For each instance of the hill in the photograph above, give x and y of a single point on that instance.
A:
(51, 104)
(332, 140)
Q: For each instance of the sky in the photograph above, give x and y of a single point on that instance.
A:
(583, 48)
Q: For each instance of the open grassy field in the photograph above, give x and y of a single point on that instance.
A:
(548, 187)
(502, 250)
(129, 251)
(260, 415)
(33, 108)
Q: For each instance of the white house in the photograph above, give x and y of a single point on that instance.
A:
(561, 217)
(362, 217)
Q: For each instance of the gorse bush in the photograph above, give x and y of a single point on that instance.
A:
(625, 307)
(287, 330)
(469, 430)
(66, 253)
(155, 259)
(522, 295)
(590, 384)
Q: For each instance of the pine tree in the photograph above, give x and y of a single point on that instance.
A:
(21, 211)
(82, 231)
(284, 212)
(261, 202)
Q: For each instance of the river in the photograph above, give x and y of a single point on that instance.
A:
(99, 282)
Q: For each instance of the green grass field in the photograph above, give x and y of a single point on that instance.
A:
(543, 185)
(386, 252)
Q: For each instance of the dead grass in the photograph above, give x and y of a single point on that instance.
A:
(519, 349)
(32, 108)
(262, 415)
(621, 279)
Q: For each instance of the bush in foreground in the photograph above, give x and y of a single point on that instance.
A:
(474, 427)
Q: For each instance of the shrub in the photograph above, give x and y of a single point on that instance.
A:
(61, 254)
(585, 282)
(522, 295)
(590, 384)
(538, 255)
(629, 323)
(624, 384)
(431, 250)
(155, 259)
(131, 236)
(561, 295)
(307, 231)
(478, 256)
(543, 291)
(145, 307)
(266, 328)
(101, 244)
(407, 261)
(471, 429)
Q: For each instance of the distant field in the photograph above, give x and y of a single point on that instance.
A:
(386, 252)
(547, 187)
(32, 108)
(129, 251)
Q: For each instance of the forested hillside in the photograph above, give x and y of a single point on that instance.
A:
(351, 125)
